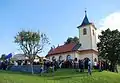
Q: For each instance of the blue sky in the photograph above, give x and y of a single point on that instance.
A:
(56, 18)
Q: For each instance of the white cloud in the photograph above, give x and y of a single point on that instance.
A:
(111, 21)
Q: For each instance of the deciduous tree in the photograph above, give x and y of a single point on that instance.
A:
(31, 43)
(109, 47)
(72, 40)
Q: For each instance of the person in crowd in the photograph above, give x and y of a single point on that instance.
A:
(41, 70)
(81, 65)
(15, 63)
(56, 65)
(79, 61)
(100, 66)
(6, 64)
(86, 63)
(46, 65)
(3, 66)
(60, 64)
(89, 67)
(95, 65)
(53, 66)
(75, 63)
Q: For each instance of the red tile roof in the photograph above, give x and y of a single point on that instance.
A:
(62, 49)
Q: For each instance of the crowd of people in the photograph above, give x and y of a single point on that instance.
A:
(79, 65)
(4, 65)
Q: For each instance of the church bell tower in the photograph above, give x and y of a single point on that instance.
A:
(87, 34)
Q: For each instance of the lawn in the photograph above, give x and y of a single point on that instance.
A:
(61, 76)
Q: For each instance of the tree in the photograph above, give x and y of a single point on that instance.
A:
(3, 57)
(109, 47)
(72, 40)
(31, 43)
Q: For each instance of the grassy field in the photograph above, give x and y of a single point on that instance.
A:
(119, 68)
(61, 76)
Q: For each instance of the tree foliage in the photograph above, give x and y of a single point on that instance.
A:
(109, 46)
(72, 40)
(31, 43)
(3, 57)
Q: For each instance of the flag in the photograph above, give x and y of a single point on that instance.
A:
(8, 56)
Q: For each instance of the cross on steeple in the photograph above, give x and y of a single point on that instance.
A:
(85, 20)
(85, 12)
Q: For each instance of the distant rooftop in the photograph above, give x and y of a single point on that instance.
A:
(64, 48)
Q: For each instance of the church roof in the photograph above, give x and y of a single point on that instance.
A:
(64, 48)
(85, 21)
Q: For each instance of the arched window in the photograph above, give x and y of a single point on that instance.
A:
(95, 60)
(84, 31)
(68, 57)
(60, 58)
(53, 58)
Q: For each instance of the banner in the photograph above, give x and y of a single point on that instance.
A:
(8, 56)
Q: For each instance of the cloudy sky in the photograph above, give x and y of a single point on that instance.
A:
(111, 21)
(58, 19)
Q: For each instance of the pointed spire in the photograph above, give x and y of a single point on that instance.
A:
(85, 12)
(85, 20)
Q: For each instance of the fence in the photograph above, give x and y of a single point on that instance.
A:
(26, 68)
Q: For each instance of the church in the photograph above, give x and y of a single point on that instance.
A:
(86, 49)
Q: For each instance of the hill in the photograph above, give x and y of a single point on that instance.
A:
(61, 76)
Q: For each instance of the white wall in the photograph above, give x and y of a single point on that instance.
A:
(85, 39)
(64, 55)
(88, 41)
(93, 38)
(91, 56)
(95, 56)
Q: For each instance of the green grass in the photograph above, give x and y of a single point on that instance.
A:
(119, 68)
(61, 76)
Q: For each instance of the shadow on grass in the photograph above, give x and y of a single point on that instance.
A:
(15, 72)
(58, 75)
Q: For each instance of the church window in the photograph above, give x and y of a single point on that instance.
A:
(93, 32)
(68, 57)
(95, 60)
(60, 58)
(84, 31)
(53, 58)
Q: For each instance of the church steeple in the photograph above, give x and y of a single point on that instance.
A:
(85, 21)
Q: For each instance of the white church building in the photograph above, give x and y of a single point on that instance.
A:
(86, 49)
